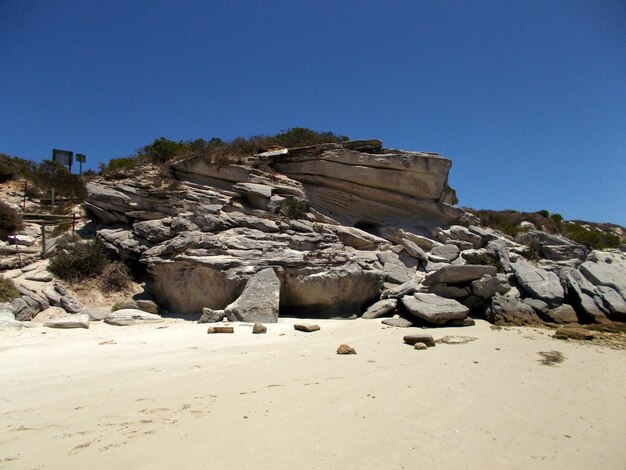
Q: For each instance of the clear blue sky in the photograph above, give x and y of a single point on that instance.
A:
(528, 98)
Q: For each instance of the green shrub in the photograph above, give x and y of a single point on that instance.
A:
(10, 221)
(8, 291)
(293, 208)
(79, 261)
(484, 259)
(532, 252)
(544, 213)
(558, 218)
(591, 238)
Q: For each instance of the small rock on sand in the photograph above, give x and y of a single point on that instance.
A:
(420, 346)
(220, 329)
(573, 332)
(306, 327)
(259, 329)
(419, 338)
(451, 339)
(345, 349)
(397, 322)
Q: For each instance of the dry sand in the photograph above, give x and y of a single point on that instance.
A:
(171, 396)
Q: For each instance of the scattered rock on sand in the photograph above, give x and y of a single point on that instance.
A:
(420, 346)
(220, 329)
(259, 329)
(131, 316)
(306, 327)
(72, 321)
(71, 304)
(96, 313)
(397, 322)
(345, 349)
(453, 339)
(380, 308)
(419, 338)
(573, 332)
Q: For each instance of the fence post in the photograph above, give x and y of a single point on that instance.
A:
(43, 241)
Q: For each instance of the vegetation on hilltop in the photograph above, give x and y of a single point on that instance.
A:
(218, 151)
(592, 235)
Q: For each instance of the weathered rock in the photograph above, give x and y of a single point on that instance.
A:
(420, 346)
(445, 252)
(22, 310)
(459, 274)
(39, 276)
(380, 308)
(539, 283)
(613, 302)
(562, 314)
(259, 329)
(423, 338)
(573, 332)
(486, 286)
(129, 316)
(212, 316)
(455, 339)
(499, 249)
(397, 322)
(22, 240)
(344, 349)
(458, 232)
(413, 249)
(220, 329)
(49, 314)
(306, 327)
(434, 309)
(539, 306)
(97, 313)
(606, 269)
(147, 305)
(465, 322)
(52, 295)
(71, 304)
(448, 291)
(259, 300)
(552, 247)
(397, 292)
(581, 293)
(155, 231)
(72, 321)
(503, 310)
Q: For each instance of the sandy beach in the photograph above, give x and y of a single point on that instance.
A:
(170, 396)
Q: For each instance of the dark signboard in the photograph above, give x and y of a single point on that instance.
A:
(80, 158)
(64, 157)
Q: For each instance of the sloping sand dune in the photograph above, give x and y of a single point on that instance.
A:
(171, 396)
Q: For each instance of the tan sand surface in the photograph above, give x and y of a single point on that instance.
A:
(171, 396)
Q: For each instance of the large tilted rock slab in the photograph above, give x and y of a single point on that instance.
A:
(539, 283)
(606, 269)
(582, 293)
(434, 309)
(459, 274)
(380, 308)
(259, 300)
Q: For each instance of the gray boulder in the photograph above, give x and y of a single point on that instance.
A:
(581, 293)
(448, 291)
(97, 313)
(445, 252)
(613, 302)
(434, 309)
(423, 338)
(503, 310)
(539, 306)
(380, 308)
(212, 316)
(606, 269)
(71, 304)
(459, 274)
(539, 283)
(487, 285)
(259, 300)
(397, 292)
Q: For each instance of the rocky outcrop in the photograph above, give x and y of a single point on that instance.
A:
(338, 229)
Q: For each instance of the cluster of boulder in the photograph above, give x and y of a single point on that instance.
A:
(379, 236)
(47, 302)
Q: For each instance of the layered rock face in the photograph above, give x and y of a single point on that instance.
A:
(342, 228)
(355, 183)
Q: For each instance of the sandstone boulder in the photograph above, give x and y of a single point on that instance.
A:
(71, 321)
(129, 316)
(380, 308)
(434, 309)
(259, 300)
(459, 274)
